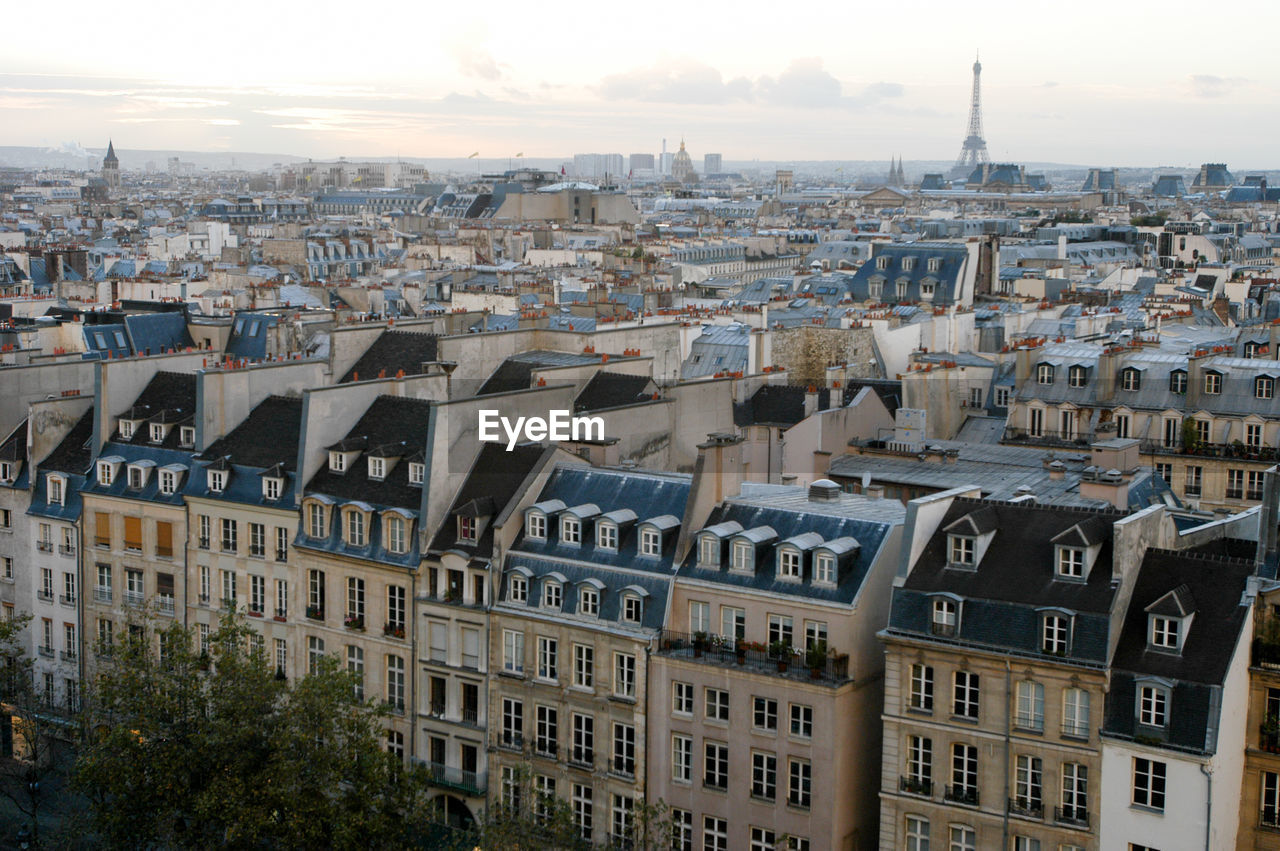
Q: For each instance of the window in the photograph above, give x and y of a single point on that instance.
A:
(715, 769)
(1035, 422)
(589, 602)
(1235, 484)
(355, 664)
(282, 544)
(682, 698)
(919, 764)
(699, 616)
(187, 436)
(964, 774)
(584, 739)
(217, 481)
(1153, 706)
(396, 539)
(962, 550)
(789, 564)
(584, 665)
(552, 594)
(965, 695)
(133, 534)
(1076, 376)
(518, 589)
(1165, 471)
(1195, 478)
(801, 720)
(106, 473)
(681, 758)
(882, 263)
(337, 462)
(228, 588)
(355, 601)
(632, 608)
(1075, 713)
(815, 634)
(764, 775)
(315, 520)
(315, 594)
(780, 630)
(582, 810)
(1270, 799)
(944, 617)
(743, 557)
(606, 536)
(920, 696)
(799, 783)
(168, 482)
(378, 468)
(355, 527)
(257, 540)
(1130, 379)
(510, 789)
(624, 675)
(1055, 635)
(623, 806)
(257, 594)
(1122, 425)
(1030, 710)
(1028, 785)
(1026, 843)
(765, 713)
(1148, 783)
(708, 551)
(733, 623)
(717, 704)
(1264, 387)
(1075, 792)
(1071, 562)
(1213, 383)
(513, 652)
(466, 528)
(1253, 436)
(1044, 374)
(126, 429)
(548, 667)
(1164, 633)
(535, 525)
(230, 535)
(715, 834)
(547, 730)
(681, 830)
(1254, 490)
(417, 470)
(1178, 382)
(963, 838)
(570, 530)
(650, 542)
(1172, 436)
(54, 490)
(824, 569)
(315, 652)
(624, 749)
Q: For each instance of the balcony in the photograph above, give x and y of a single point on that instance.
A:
(315, 613)
(946, 630)
(1073, 816)
(1031, 808)
(164, 552)
(67, 600)
(915, 786)
(202, 543)
(133, 598)
(1047, 437)
(281, 615)
(546, 749)
(448, 777)
(1074, 730)
(1269, 818)
(44, 546)
(68, 656)
(436, 710)
(227, 603)
(1245, 452)
(67, 549)
(203, 599)
(46, 652)
(582, 758)
(165, 605)
(511, 741)
(471, 716)
(1269, 737)
(102, 595)
(228, 545)
(354, 622)
(282, 555)
(393, 630)
(961, 795)
(1029, 723)
(622, 767)
(752, 656)
(46, 596)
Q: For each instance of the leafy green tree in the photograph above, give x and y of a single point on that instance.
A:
(186, 750)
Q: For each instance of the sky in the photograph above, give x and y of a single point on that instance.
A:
(1090, 83)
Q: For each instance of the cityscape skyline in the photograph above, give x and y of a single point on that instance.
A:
(452, 84)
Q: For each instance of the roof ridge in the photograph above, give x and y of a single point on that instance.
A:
(1198, 555)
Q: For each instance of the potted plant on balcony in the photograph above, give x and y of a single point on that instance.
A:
(315, 613)
(395, 630)
(816, 658)
(699, 643)
(740, 652)
(781, 651)
(354, 622)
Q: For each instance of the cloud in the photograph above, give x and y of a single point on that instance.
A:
(804, 83)
(1210, 86)
(475, 61)
(681, 82)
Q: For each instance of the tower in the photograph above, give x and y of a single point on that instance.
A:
(111, 167)
(974, 150)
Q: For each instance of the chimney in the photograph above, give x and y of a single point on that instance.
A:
(1111, 485)
(1106, 378)
(1023, 360)
(873, 492)
(812, 404)
(1057, 471)
(1266, 553)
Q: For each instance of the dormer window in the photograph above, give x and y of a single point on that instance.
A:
(607, 536)
(901, 286)
(875, 287)
(1055, 634)
(632, 608)
(377, 468)
(926, 291)
(356, 534)
(1178, 382)
(168, 482)
(315, 520)
(272, 488)
(1153, 704)
(789, 564)
(570, 530)
(1131, 379)
(552, 594)
(535, 525)
(743, 557)
(1213, 383)
(961, 551)
(709, 551)
(7, 472)
(1264, 387)
(137, 477)
(935, 264)
(467, 529)
(1044, 374)
(396, 540)
(126, 429)
(589, 602)
(338, 462)
(1077, 376)
(882, 262)
(1165, 633)
(217, 480)
(158, 432)
(1071, 562)
(518, 589)
(417, 471)
(824, 569)
(946, 617)
(54, 490)
(908, 263)
(106, 473)
(650, 542)
(187, 436)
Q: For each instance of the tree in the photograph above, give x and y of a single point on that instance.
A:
(187, 750)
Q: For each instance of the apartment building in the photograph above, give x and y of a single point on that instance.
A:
(583, 596)
(1208, 422)
(996, 657)
(1174, 737)
(765, 691)
(459, 581)
(358, 553)
(135, 518)
(242, 517)
(1260, 795)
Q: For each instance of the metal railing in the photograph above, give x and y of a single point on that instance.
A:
(67, 549)
(1026, 807)
(102, 595)
(1077, 816)
(133, 598)
(165, 605)
(1074, 730)
(67, 599)
(468, 782)
(718, 650)
(1048, 436)
(961, 795)
(44, 546)
(915, 786)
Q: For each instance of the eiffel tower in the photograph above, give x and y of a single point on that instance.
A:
(974, 150)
